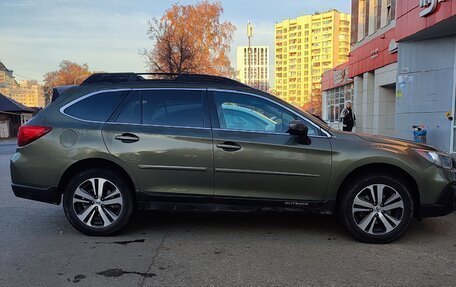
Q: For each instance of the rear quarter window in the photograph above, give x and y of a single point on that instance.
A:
(98, 107)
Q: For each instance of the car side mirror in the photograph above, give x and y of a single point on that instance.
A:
(300, 130)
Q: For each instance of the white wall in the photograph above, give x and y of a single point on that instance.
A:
(374, 101)
(427, 72)
(368, 103)
(385, 100)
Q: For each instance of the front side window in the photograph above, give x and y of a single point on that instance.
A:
(98, 107)
(249, 113)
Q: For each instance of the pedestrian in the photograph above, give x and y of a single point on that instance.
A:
(348, 117)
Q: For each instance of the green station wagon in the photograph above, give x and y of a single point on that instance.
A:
(120, 142)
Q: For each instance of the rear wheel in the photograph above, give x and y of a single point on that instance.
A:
(377, 209)
(98, 202)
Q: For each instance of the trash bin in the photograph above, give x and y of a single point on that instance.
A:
(419, 133)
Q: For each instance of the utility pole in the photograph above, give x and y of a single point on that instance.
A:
(249, 36)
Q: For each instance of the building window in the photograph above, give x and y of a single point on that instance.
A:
(390, 11)
(363, 22)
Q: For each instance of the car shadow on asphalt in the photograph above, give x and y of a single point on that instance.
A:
(253, 222)
(311, 226)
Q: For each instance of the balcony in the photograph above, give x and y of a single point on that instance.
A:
(344, 30)
(343, 50)
(326, 64)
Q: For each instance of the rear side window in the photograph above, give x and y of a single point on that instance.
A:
(98, 107)
(177, 108)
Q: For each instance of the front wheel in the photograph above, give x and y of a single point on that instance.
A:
(98, 202)
(377, 209)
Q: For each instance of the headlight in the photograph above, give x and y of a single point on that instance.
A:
(440, 159)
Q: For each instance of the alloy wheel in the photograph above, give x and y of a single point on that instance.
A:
(378, 209)
(97, 202)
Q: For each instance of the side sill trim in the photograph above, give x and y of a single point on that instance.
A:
(175, 201)
(237, 205)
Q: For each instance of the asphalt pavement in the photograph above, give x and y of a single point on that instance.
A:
(7, 146)
(38, 247)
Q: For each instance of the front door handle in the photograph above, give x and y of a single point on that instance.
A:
(229, 146)
(127, 138)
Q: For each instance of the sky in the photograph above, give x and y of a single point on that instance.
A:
(36, 35)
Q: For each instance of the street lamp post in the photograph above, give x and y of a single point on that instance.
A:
(249, 36)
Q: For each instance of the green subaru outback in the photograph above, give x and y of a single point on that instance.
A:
(120, 142)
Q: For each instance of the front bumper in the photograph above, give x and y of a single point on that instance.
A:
(48, 195)
(445, 205)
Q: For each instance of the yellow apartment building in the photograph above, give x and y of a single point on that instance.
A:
(306, 47)
(30, 94)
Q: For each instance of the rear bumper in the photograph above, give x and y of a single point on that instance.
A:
(48, 195)
(445, 205)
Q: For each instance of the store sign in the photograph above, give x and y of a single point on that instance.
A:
(374, 53)
(430, 6)
(341, 76)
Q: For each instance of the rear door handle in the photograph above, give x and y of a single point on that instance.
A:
(229, 146)
(127, 138)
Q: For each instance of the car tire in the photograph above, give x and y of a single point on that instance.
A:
(372, 220)
(94, 212)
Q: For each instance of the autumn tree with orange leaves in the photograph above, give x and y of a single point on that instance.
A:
(69, 73)
(191, 39)
(314, 106)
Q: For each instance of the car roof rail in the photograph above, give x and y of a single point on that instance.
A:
(110, 78)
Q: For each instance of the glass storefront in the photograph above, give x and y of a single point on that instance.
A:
(335, 101)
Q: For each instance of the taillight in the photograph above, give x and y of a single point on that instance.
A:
(28, 134)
